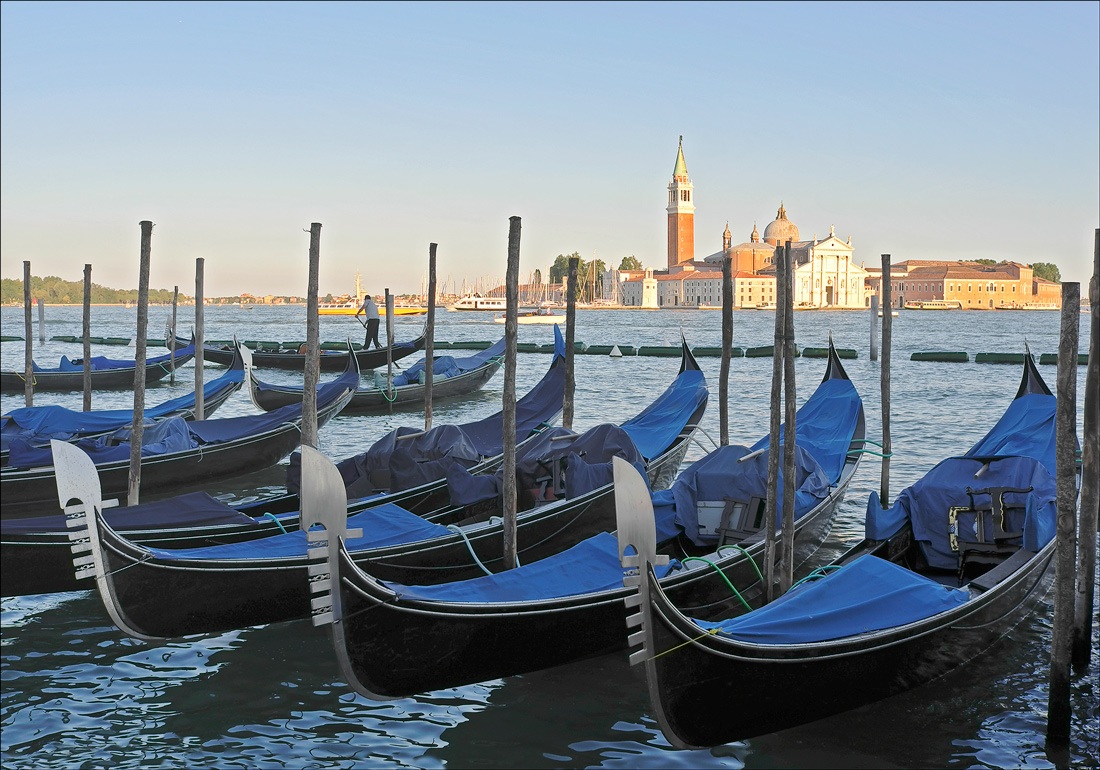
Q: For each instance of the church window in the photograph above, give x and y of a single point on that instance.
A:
(969, 287)
(979, 287)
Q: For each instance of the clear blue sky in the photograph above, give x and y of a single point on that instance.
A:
(928, 131)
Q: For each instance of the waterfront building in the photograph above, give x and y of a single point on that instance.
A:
(974, 286)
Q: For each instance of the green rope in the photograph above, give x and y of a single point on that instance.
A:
(747, 555)
(869, 452)
(869, 441)
(722, 575)
(278, 523)
(817, 573)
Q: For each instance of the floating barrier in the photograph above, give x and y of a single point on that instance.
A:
(1052, 358)
(656, 350)
(7, 338)
(441, 345)
(941, 355)
(709, 351)
(609, 350)
(824, 353)
(527, 347)
(765, 351)
(999, 358)
(471, 345)
(59, 338)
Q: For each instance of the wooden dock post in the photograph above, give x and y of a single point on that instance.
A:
(200, 337)
(1085, 602)
(87, 328)
(429, 340)
(874, 327)
(727, 344)
(884, 382)
(786, 574)
(772, 503)
(41, 321)
(570, 335)
(171, 341)
(28, 329)
(312, 364)
(137, 427)
(389, 342)
(511, 332)
(1065, 557)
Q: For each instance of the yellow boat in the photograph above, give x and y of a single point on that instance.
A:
(351, 306)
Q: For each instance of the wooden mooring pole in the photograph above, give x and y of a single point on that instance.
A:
(137, 427)
(727, 344)
(429, 340)
(1065, 557)
(772, 504)
(786, 574)
(171, 341)
(570, 335)
(389, 342)
(28, 329)
(874, 327)
(41, 321)
(313, 341)
(1085, 601)
(87, 329)
(884, 381)
(511, 332)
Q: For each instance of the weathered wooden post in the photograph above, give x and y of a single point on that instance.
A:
(874, 327)
(313, 341)
(87, 328)
(1085, 602)
(171, 341)
(28, 329)
(1065, 557)
(137, 427)
(429, 340)
(786, 575)
(200, 337)
(389, 343)
(727, 344)
(511, 327)
(772, 503)
(41, 321)
(570, 335)
(884, 381)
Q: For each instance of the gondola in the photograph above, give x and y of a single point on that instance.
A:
(37, 425)
(294, 359)
(395, 640)
(162, 593)
(451, 377)
(34, 552)
(107, 373)
(941, 575)
(175, 453)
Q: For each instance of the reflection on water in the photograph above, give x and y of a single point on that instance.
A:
(77, 692)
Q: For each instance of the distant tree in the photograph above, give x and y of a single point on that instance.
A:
(1047, 270)
(537, 278)
(559, 271)
(986, 261)
(630, 263)
(328, 297)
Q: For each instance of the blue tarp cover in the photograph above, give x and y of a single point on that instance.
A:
(197, 509)
(449, 366)
(174, 434)
(371, 470)
(927, 503)
(658, 425)
(870, 594)
(824, 427)
(39, 424)
(588, 567)
(1026, 428)
(385, 525)
(101, 363)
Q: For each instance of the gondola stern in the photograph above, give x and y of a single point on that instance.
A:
(1031, 382)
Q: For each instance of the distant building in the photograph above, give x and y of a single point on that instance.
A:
(974, 286)
(681, 213)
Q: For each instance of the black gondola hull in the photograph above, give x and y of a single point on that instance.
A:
(102, 379)
(330, 361)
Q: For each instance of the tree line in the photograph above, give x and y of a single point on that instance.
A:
(56, 291)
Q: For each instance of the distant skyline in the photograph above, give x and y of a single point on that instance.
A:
(924, 130)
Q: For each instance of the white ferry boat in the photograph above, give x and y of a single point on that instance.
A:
(934, 304)
(478, 302)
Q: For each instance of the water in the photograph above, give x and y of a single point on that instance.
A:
(78, 693)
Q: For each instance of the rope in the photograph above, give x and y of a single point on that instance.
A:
(704, 635)
(747, 555)
(817, 573)
(494, 520)
(278, 523)
(869, 452)
(723, 576)
(457, 530)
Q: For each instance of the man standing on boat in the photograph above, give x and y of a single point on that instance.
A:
(371, 311)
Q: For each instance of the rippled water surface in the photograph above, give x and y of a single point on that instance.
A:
(78, 693)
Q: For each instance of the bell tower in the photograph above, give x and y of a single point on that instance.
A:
(681, 213)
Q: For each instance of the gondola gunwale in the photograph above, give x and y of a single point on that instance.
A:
(329, 362)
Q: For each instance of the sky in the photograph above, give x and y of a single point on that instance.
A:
(922, 130)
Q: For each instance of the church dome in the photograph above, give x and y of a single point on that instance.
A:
(781, 230)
